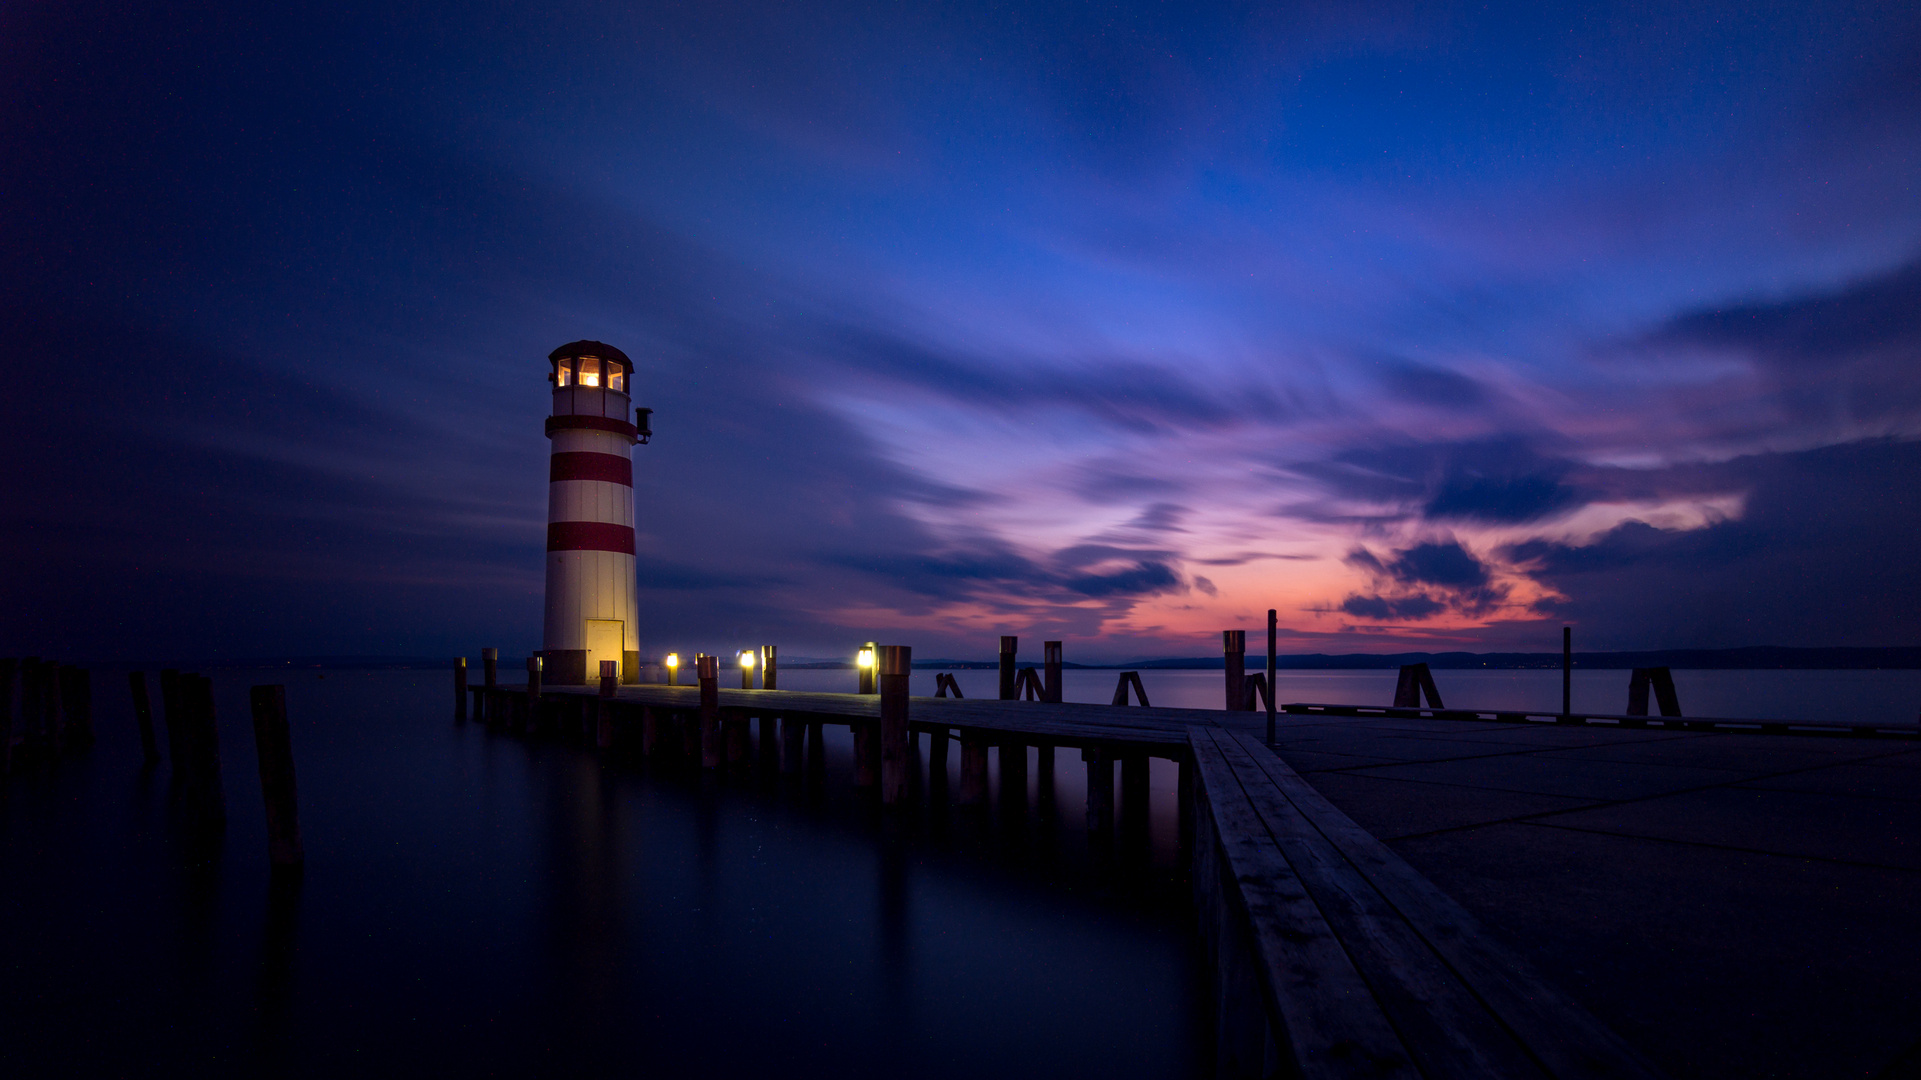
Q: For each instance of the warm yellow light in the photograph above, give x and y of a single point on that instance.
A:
(746, 659)
(673, 659)
(866, 658)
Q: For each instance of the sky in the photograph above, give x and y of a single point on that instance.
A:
(1431, 327)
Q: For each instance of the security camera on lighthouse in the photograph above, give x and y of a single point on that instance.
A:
(591, 608)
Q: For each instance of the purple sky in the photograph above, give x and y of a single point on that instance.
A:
(1432, 328)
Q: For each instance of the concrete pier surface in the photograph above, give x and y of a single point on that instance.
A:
(1732, 905)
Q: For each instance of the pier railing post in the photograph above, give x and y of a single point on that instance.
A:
(1567, 671)
(142, 714)
(460, 688)
(274, 747)
(1010, 647)
(707, 670)
(768, 668)
(896, 664)
(1234, 653)
(1051, 671)
(490, 667)
(1273, 624)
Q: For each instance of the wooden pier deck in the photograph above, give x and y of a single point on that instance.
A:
(1329, 955)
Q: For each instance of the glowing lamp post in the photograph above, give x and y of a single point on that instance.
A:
(747, 670)
(864, 661)
(673, 669)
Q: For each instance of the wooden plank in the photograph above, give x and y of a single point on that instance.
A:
(1440, 1021)
(1334, 1027)
(1562, 1035)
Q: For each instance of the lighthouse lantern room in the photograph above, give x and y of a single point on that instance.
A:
(591, 607)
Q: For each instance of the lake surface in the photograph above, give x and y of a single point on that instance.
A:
(475, 904)
(1885, 697)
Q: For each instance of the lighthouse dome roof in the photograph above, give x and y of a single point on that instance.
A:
(575, 349)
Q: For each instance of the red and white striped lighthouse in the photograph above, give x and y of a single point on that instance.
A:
(591, 609)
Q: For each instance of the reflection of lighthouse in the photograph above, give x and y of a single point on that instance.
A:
(591, 611)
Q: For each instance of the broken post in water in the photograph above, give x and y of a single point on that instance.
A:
(273, 744)
(1234, 657)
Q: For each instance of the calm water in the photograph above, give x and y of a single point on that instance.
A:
(1878, 696)
(478, 905)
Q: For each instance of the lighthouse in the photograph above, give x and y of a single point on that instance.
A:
(592, 613)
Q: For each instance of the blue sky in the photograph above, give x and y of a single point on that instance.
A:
(1429, 327)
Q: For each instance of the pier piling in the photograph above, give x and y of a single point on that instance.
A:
(204, 793)
(7, 667)
(1051, 671)
(460, 689)
(973, 778)
(1273, 624)
(1234, 653)
(274, 746)
(895, 663)
(1100, 795)
(707, 671)
(143, 716)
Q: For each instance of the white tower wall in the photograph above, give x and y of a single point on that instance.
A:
(591, 605)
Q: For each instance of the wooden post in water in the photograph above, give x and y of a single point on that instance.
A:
(604, 705)
(937, 740)
(1010, 646)
(490, 667)
(7, 667)
(77, 701)
(769, 669)
(1134, 786)
(535, 666)
(1234, 653)
(1567, 671)
(1100, 794)
(1051, 671)
(707, 671)
(1013, 756)
(50, 704)
(460, 689)
(973, 778)
(143, 716)
(205, 794)
(1273, 625)
(793, 744)
(274, 746)
(896, 664)
(173, 717)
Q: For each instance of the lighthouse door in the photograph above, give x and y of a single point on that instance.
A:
(605, 640)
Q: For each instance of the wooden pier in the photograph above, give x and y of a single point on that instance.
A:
(1329, 955)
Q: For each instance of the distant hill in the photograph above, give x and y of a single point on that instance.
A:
(1758, 657)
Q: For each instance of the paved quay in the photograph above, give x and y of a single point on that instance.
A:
(1732, 905)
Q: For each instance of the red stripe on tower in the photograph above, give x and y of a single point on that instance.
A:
(590, 536)
(582, 465)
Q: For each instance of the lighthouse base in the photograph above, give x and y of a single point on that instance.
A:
(564, 667)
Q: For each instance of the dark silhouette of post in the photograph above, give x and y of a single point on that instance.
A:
(895, 664)
(707, 671)
(172, 715)
(768, 668)
(1100, 795)
(1567, 670)
(6, 718)
(1010, 646)
(973, 778)
(1127, 679)
(460, 688)
(76, 697)
(274, 746)
(142, 715)
(490, 668)
(1051, 671)
(535, 668)
(1273, 626)
(1662, 681)
(1234, 655)
(206, 798)
(1415, 680)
